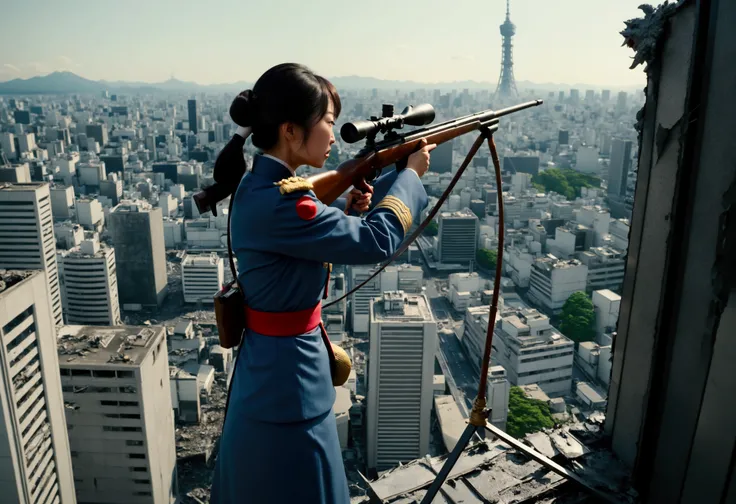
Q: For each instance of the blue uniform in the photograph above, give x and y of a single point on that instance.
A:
(279, 442)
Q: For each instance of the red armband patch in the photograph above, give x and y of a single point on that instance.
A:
(306, 208)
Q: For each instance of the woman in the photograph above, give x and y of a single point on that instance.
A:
(279, 442)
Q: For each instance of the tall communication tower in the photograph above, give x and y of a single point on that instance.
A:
(506, 83)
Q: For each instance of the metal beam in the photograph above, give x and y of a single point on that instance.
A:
(554, 466)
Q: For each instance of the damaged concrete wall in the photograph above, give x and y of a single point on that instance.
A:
(672, 404)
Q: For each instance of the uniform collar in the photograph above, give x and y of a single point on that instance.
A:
(270, 167)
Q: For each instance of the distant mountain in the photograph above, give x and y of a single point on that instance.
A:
(53, 83)
(68, 82)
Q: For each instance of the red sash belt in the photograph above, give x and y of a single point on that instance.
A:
(283, 323)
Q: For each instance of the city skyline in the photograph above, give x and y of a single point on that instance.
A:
(440, 45)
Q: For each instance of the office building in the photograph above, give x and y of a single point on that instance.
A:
(137, 232)
(89, 284)
(98, 132)
(606, 268)
(520, 164)
(457, 237)
(35, 460)
(27, 235)
(399, 277)
(532, 351)
(606, 305)
(62, 202)
(621, 101)
(119, 413)
(618, 169)
(403, 339)
(442, 158)
(553, 281)
(202, 275)
(192, 107)
(16, 174)
(498, 388)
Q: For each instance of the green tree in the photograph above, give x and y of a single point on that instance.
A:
(578, 318)
(431, 229)
(567, 182)
(527, 415)
(486, 258)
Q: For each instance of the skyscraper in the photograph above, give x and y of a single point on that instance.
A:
(442, 158)
(618, 169)
(119, 415)
(192, 105)
(89, 284)
(35, 461)
(457, 237)
(403, 340)
(137, 232)
(506, 82)
(27, 235)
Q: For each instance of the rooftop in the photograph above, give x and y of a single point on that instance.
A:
(459, 214)
(21, 186)
(201, 260)
(415, 308)
(551, 262)
(609, 295)
(100, 345)
(9, 278)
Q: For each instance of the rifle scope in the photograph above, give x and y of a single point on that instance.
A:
(413, 116)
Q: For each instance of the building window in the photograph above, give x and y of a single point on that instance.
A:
(128, 390)
(142, 493)
(137, 455)
(126, 374)
(103, 374)
(131, 442)
(81, 372)
(142, 481)
(138, 469)
(129, 403)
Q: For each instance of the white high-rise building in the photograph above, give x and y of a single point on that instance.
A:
(606, 268)
(27, 235)
(119, 413)
(35, 461)
(89, 284)
(399, 277)
(553, 281)
(202, 275)
(403, 340)
(457, 237)
(532, 351)
(498, 388)
(606, 305)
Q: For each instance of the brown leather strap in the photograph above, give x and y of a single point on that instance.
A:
(328, 344)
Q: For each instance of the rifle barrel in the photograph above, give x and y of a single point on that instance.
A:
(482, 117)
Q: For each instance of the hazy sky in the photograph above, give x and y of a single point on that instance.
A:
(219, 41)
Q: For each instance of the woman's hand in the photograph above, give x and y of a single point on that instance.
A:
(419, 160)
(358, 200)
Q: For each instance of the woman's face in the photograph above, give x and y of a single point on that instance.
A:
(315, 151)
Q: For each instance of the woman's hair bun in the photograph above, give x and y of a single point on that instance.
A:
(242, 109)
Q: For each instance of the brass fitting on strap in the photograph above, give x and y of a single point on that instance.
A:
(479, 414)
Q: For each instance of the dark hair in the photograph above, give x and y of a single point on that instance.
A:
(285, 93)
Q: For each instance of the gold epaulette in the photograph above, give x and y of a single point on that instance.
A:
(293, 184)
(399, 209)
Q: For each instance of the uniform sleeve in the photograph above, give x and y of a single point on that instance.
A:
(303, 227)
